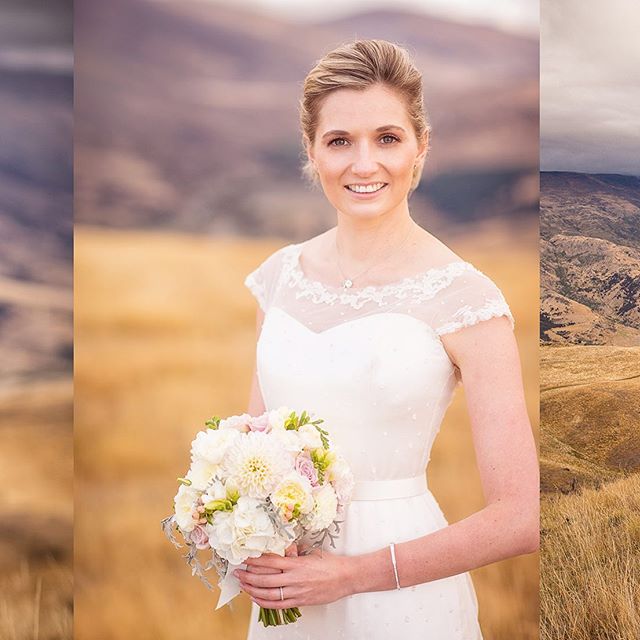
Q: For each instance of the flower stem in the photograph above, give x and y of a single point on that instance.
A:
(275, 617)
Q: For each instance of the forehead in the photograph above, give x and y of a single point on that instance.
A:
(352, 109)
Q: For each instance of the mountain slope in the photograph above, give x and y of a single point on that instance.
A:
(590, 259)
(186, 116)
(590, 408)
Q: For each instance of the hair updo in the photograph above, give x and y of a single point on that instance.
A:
(359, 65)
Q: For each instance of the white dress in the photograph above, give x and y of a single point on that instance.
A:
(370, 363)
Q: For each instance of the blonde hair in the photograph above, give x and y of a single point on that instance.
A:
(359, 65)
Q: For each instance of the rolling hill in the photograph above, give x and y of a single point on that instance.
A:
(590, 408)
(590, 259)
(186, 117)
(36, 320)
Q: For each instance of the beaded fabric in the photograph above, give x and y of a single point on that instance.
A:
(447, 298)
(371, 363)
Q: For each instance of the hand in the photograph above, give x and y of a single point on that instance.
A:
(317, 578)
(291, 550)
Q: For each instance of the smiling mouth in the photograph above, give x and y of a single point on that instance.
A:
(369, 188)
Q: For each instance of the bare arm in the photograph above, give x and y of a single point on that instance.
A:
(487, 355)
(256, 403)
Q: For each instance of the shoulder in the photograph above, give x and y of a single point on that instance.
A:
(263, 279)
(316, 251)
(468, 297)
(427, 251)
(474, 321)
(274, 259)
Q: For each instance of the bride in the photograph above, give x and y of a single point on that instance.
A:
(371, 325)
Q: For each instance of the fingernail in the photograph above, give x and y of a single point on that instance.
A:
(236, 574)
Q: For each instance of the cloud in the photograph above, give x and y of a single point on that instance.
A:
(590, 86)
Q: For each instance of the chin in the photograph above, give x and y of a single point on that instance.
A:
(368, 209)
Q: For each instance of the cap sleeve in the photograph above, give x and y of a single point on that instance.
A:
(262, 281)
(469, 299)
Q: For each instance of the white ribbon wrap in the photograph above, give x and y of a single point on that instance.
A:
(229, 585)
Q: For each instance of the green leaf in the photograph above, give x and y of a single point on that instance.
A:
(213, 423)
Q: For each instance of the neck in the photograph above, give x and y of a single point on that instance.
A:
(360, 240)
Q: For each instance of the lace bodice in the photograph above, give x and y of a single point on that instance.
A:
(371, 364)
(447, 297)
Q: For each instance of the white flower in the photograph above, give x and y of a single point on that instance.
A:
(212, 444)
(277, 417)
(293, 491)
(216, 491)
(200, 473)
(279, 544)
(290, 440)
(310, 437)
(339, 474)
(245, 532)
(324, 510)
(239, 423)
(256, 463)
(184, 506)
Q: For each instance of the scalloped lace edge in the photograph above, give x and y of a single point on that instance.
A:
(468, 316)
(424, 286)
(257, 288)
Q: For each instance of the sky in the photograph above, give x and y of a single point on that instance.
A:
(590, 86)
(520, 16)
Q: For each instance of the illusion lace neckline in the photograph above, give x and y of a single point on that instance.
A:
(395, 285)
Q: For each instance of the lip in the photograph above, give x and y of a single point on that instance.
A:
(366, 196)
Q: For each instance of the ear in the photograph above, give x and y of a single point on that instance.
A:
(423, 147)
(309, 149)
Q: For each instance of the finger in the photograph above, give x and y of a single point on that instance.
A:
(254, 569)
(270, 595)
(271, 560)
(291, 550)
(287, 603)
(260, 580)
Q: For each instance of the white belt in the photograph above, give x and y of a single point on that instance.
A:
(389, 489)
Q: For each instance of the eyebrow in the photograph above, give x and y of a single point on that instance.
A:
(339, 132)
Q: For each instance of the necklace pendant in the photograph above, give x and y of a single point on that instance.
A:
(347, 283)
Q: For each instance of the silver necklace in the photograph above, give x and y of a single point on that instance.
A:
(347, 283)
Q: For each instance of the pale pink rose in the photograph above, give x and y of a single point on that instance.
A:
(260, 423)
(304, 466)
(199, 537)
(239, 423)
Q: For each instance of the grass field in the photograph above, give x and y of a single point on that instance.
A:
(164, 337)
(590, 464)
(36, 511)
(590, 563)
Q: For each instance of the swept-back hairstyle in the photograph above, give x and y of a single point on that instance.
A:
(358, 65)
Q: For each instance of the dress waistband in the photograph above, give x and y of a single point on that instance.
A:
(389, 489)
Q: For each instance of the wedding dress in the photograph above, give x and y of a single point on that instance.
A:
(370, 363)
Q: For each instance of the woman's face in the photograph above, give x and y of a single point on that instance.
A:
(365, 139)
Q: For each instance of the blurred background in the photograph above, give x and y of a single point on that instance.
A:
(188, 174)
(36, 330)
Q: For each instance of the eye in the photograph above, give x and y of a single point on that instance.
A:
(336, 140)
(389, 135)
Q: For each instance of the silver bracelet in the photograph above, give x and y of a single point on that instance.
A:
(395, 567)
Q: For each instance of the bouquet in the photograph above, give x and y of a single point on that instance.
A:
(257, 485)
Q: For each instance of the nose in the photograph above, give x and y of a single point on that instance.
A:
(365, 163)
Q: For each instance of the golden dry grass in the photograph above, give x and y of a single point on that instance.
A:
(165, 336)
(590, 402)
(36, 503)
(36, 600)
(590, 457)
(590, 582)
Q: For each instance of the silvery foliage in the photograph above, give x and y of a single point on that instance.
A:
(197, 568)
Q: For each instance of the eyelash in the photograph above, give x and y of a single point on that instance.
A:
(386, 135)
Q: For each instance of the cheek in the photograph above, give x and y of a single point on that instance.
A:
(401, 163)
(332, 167)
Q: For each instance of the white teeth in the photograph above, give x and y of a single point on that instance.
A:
(365, 189)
